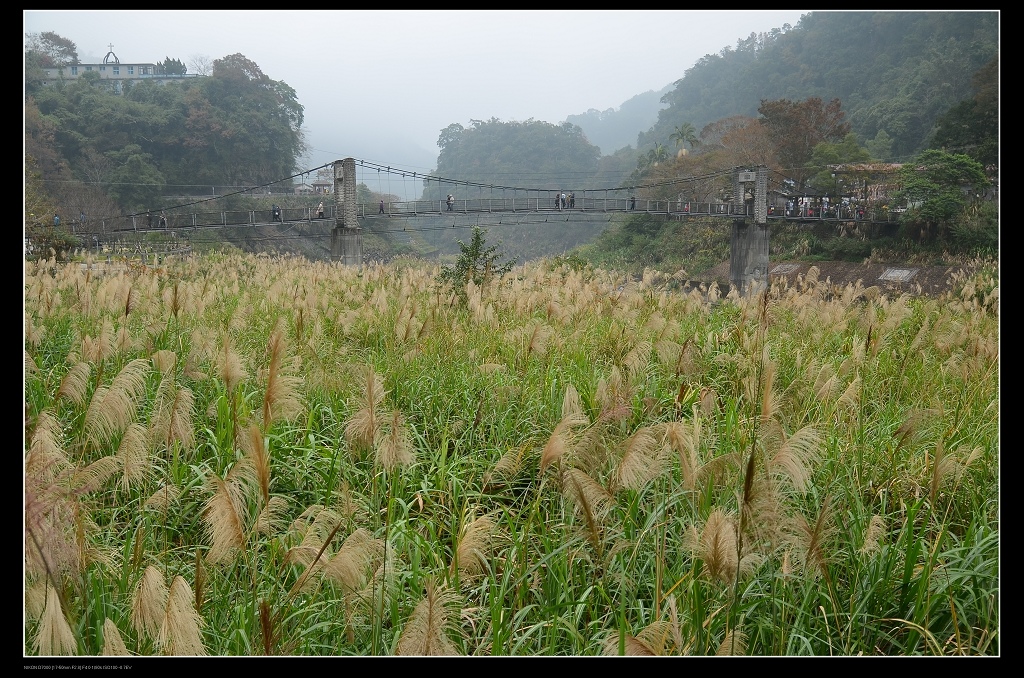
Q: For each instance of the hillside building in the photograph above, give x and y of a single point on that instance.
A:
(114, 72)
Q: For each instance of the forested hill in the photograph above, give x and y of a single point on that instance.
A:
(613, 129)
(896, 73)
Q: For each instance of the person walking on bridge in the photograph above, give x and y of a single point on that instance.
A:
(450, 200)
(320, 210)
(381, 211)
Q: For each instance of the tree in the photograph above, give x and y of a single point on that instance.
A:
(797, 127)
(937, 187)
(880, 148)
(54, 49)
(827, 155)
(476, 263)
(136, 183)
(685, 134)
(200, 64)
(171, 66)
(972, 126)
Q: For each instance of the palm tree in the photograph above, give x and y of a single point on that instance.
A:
(657, 154)
(685, 134)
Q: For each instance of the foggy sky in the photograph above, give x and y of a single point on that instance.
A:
(381, 85)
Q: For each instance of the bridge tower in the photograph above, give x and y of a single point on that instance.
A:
(748, 263)
(347, 235)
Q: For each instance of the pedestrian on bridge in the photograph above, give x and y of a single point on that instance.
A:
(381, 211)
(275, 212)
(451, 201)
(632, 202)
(320, 210)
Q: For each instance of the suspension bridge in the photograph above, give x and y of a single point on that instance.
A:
(744, 199)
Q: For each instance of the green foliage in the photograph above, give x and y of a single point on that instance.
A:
(835, 153)
(477, 263)
(236, 127)
(895, 72)
(135, 181)
(171, 66)
(512, 154)
(936, 187)
(976, 231)
(972, 126)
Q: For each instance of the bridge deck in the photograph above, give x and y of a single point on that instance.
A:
(438, 208)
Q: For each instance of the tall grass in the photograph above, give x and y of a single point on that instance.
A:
(244, 455)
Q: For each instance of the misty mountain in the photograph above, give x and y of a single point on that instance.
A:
(613, 129)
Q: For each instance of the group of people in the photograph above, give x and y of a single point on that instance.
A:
(810, 207)
(562, 201)
(149, 219)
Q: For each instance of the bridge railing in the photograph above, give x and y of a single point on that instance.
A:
(545, 204)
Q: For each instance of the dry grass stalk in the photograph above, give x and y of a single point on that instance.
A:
(508, 466)
(589, 498)
(113, 644)
(474, 547)
(394, 447)
(684, 439)
(225, 516)
(113, 408)
(364, 426)
(426, 631)
(315, 537)
(873, 535)
(172, 414)
(180, 631)
(717, 547)
(75, 384)
(734, 644)
(555, 447)
(46, 457)
(281, 400)
(357, 557)
(162, 499)
(273, 518)
(944, 465)
(148, 603)
(795, 457)
(631, 647)
(133, 454)
(257, 460)
(54, 636)
(810, 540)
(229, 365)
(93, 476)
(614, 396)
(643, 458)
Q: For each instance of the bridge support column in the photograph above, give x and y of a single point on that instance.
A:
(347, 235)
(748, 265)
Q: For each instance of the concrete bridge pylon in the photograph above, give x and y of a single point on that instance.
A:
(347, 235)
(748, 263)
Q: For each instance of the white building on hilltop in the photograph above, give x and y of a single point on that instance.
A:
(111, 69)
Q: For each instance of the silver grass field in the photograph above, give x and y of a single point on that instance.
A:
(241, 455)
